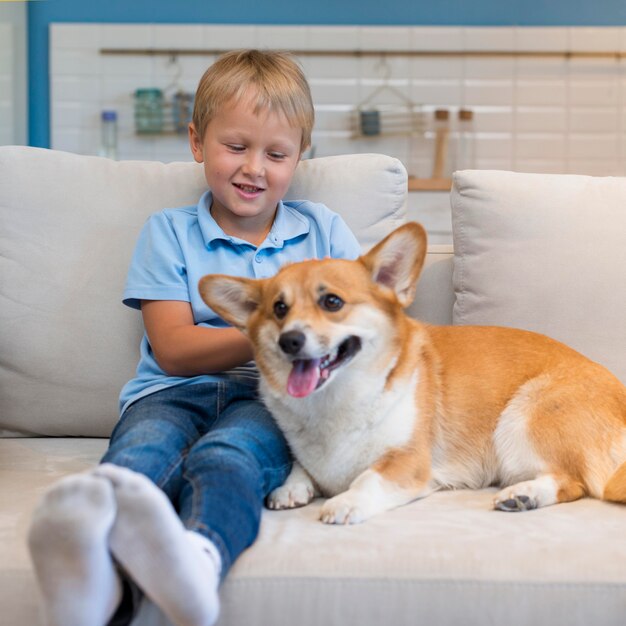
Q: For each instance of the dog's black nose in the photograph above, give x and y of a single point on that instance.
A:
(292, 341)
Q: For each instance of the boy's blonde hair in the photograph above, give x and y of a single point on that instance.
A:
(275, 80)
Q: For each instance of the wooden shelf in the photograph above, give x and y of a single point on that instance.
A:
(429, 184)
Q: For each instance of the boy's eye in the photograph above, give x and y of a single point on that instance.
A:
(280, 309)
(331, 302)
(235, 148)
(279, 156)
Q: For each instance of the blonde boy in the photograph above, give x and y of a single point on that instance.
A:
(180, 490)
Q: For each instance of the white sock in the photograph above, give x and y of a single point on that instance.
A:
(68, 541)
(171, 565)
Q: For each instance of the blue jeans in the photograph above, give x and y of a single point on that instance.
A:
(215, 451)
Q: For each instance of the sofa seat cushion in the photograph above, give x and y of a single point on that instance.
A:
(545, 253)
(27, 468)
(446, 560)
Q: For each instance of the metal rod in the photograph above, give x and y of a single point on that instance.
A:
(566, 54)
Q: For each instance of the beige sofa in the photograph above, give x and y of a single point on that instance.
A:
(542, 252)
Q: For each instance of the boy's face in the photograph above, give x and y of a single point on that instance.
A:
(249, 161)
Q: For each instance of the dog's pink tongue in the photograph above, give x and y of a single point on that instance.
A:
(303, 378)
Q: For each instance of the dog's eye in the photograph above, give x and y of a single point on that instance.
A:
(280, 309)
(331, 302)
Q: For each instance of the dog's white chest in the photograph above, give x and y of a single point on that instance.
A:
(339, 432)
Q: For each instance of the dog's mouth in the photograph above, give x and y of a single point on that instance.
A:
(307, 375)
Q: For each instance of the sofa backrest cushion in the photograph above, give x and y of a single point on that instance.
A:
(68, 225)
(545, 253)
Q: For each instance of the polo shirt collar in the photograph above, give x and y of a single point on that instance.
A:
(288, 224)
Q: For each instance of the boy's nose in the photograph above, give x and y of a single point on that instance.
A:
(254, 165)
(292, 342)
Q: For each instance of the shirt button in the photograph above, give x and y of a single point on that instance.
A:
(258, 258)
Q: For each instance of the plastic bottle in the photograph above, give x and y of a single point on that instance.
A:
(466, 143)
(108, 137)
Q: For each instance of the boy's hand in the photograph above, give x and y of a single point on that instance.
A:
(183, 349)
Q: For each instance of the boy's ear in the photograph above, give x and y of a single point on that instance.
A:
(233, 299)
(396, 262)
(195, 143)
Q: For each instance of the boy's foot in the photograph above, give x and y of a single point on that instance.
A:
(68, 541)
(177, 569)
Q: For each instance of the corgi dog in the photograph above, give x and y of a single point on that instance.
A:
(380, 409)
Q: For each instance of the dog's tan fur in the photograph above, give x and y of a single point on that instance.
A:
(423, 407)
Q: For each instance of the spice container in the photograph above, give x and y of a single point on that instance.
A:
(148, 111)
(442, 133)
(466, 142)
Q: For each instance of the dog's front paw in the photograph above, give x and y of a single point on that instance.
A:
(343, 509)
(514, 503)
(290, 496)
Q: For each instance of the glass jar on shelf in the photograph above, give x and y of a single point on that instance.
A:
(182, 110)
(148, 111)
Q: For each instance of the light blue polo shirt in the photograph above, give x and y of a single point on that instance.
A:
(176, 247)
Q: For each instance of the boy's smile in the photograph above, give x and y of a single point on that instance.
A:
(249, 160)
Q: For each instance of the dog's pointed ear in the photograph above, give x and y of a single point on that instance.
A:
(234, 299)
(396, 262)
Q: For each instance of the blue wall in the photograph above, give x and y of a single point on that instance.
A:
(396, 12)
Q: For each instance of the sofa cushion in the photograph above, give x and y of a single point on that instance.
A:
(545, 253)
(68, 226)
(446, 560)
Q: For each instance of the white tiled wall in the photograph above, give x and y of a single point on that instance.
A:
(531, 114)
(6, 84)
(13, 74)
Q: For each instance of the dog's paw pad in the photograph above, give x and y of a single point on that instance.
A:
(290, 496)
(515, 503)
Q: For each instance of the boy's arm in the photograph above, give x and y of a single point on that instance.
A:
(183, 349)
